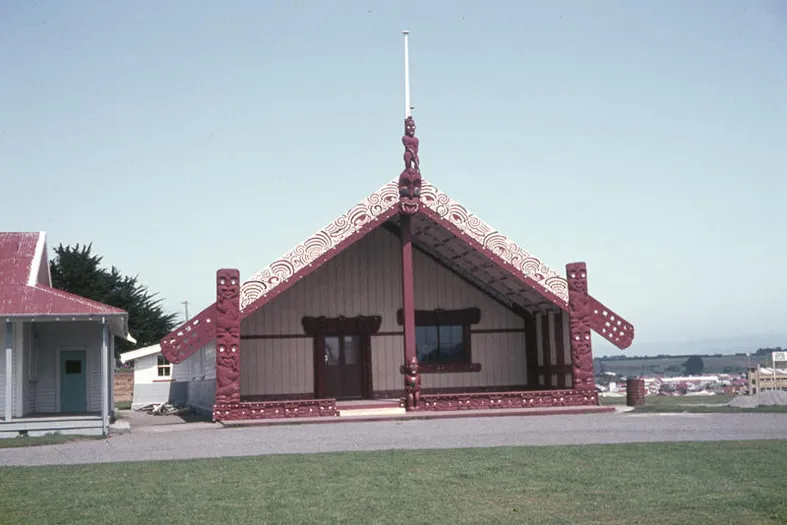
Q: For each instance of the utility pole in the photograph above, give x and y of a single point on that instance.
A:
(186, 306)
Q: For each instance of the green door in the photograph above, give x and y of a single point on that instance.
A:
(73, 381)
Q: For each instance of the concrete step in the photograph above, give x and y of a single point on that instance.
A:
(368, 411)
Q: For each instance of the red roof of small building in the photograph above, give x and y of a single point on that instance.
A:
(22, 293)
(17, 251)
(42, 300)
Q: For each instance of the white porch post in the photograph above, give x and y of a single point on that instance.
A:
(9, 370)
(105, 377)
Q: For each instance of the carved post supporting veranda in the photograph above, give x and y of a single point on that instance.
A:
(579, 326)
(227, 336)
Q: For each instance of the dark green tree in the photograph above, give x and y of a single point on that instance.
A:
(76, 270)
(694, 365)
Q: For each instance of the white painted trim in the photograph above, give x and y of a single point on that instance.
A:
(140, 352)
(8, 342)
(105, 335)
(35, 265)
(87, 375)
(19, 337)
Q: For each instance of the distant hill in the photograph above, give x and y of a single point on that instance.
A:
(673, 365)
(710, 346)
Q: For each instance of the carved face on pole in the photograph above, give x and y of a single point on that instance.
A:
(409, 127)
(409, 191)
(577, 278)
(227, 284)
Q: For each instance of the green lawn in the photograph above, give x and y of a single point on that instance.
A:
(123, 405)
(695, 404)
(723, 482)
(49, 439)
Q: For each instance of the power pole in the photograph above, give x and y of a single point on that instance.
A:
(186, 306)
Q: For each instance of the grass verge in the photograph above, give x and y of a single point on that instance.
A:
(723, 482)
(693, 404)
(123, 405)
(49, 439)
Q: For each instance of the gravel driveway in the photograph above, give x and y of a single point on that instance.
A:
(413, 434)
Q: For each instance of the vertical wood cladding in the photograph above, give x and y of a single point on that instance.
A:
(365, 279)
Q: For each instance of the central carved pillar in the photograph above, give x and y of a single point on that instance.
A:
(579, 312)
(409, 203)
(412, 379)
(227, 336)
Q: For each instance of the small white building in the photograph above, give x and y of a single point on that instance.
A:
(55, 373)
(156, 380)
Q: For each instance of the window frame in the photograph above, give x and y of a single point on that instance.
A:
(466, 354)
(439, 317)
(166, 365)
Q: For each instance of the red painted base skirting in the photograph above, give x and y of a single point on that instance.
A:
(489, 400)
(274, 409)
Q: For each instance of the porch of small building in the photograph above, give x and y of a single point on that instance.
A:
(34, 425)
(56, 377)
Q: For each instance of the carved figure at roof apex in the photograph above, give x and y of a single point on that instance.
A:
(410, 142)
(410, 178)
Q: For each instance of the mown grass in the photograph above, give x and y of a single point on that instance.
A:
(123, 405)
(48, 439)
(724, 482)
(692, 404)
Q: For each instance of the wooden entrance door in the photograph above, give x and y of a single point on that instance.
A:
(73, 381)
(343, 366)
(342, 355)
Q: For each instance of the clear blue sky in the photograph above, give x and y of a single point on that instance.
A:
(648, 139)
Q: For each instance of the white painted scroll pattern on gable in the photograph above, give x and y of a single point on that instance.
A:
(313, 248)
(494, 241)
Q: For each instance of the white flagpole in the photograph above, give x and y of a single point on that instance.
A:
(407, 106)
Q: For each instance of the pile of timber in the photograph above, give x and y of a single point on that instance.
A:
(164, 409)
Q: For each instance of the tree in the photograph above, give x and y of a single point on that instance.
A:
(694, 365)
(78, 271)
(767, 351)
(673, 369)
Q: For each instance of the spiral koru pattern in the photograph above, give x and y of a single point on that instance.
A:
(304, 254)
(495, 242)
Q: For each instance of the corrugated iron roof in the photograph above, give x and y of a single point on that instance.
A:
(17, 251)
(42, 300)
(18, 298)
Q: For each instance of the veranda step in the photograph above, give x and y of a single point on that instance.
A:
(382, 411)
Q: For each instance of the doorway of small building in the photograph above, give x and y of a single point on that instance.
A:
(342, 361)
(73, 381)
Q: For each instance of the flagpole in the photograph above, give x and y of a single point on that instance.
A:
(407, 107)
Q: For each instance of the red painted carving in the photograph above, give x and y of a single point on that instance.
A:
(610, 325)
(493, 400)
(412, 385)
(274, 409)
(309, 255)
(438, 316)
(579, 312)
(190, 336)
(227, 336)
(359, 324)
(410, 178)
